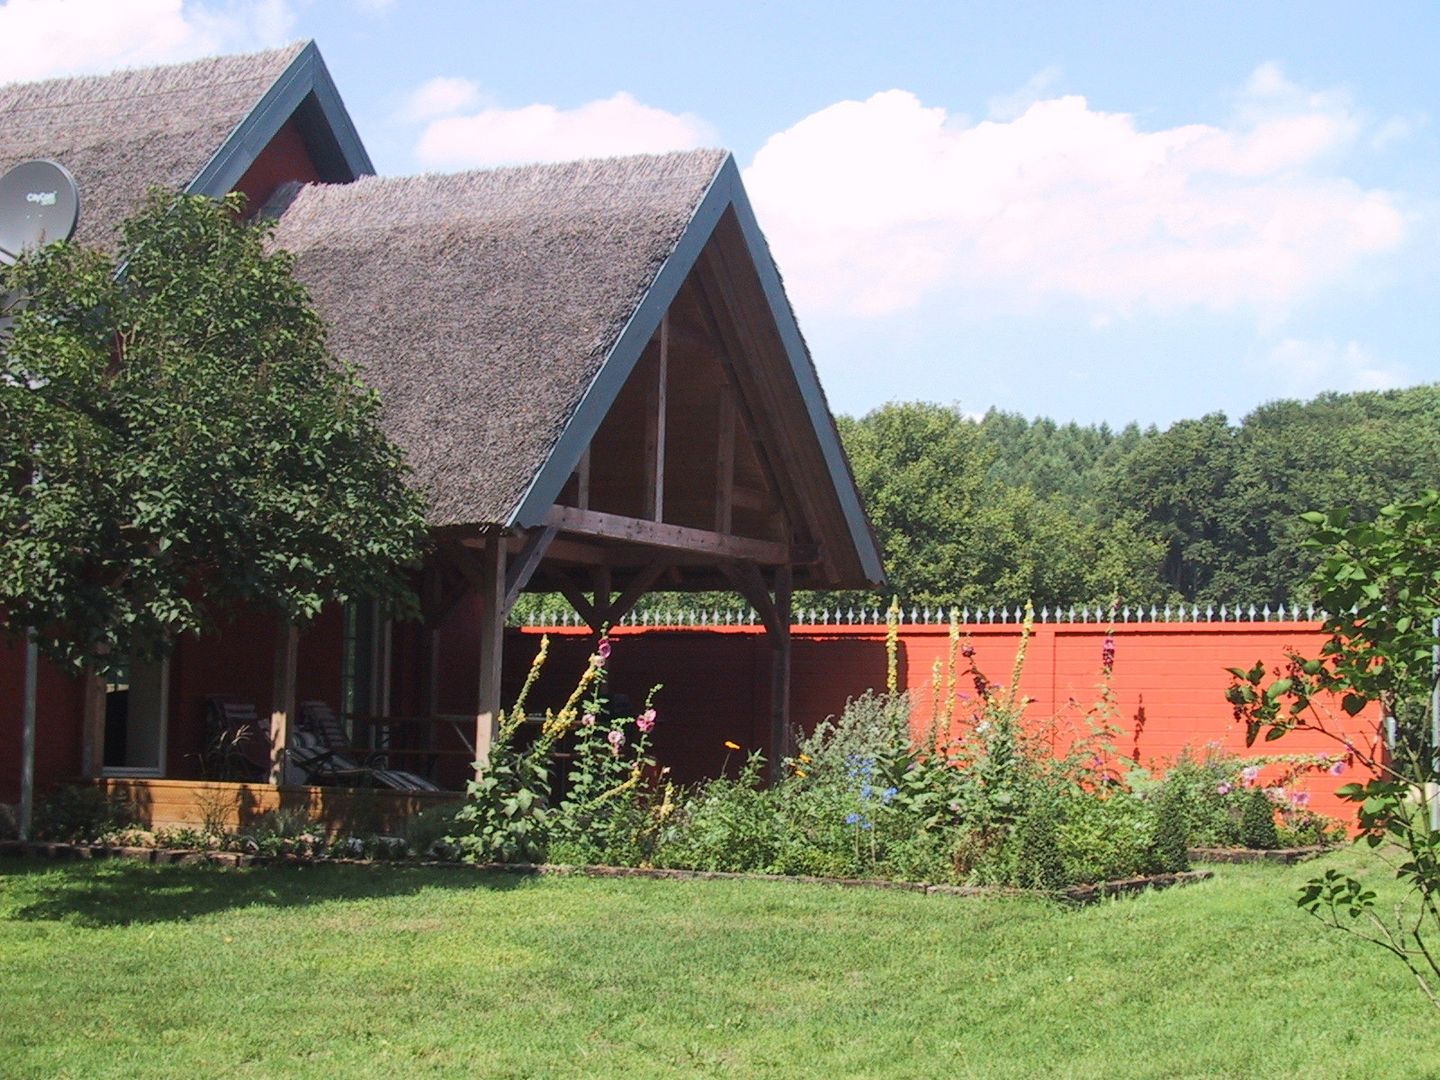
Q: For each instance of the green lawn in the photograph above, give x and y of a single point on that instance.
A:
(128, 970)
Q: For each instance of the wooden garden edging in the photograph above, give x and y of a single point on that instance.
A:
(1074, 894)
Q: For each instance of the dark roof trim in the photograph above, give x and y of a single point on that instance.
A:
(726, 191)
(304, 87)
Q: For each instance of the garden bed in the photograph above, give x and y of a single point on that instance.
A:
(1076, 894)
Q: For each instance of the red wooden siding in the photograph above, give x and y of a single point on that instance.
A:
(1169, 682)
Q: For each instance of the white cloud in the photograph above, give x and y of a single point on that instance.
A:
(877, 206)
(1009, 106)
(1307, 367)
(43, 38)
(616, 125)
(439, 97)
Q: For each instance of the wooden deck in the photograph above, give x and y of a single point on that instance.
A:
(169, 804)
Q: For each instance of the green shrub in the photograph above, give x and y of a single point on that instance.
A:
(1257, 821)
(80, 813)
(730, 825)
(1106, 835)
(1170, 848)
(1040, 864)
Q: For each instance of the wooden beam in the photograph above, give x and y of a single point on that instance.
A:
(670, 537)
(725, 463)
(574, 551)
(781, 745)
(492, 640)
(282, 700)
(578, 600)
(522, 567)
(638, 587)
(748, 582)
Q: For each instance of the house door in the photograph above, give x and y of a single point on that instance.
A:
(137, 702)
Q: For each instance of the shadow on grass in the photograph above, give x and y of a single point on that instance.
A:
(105, 894)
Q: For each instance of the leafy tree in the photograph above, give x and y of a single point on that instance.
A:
(1381, 579)
(953, 534)
(175, 439)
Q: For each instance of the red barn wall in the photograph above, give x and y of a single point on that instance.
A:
(1168, 683)
(58, 727)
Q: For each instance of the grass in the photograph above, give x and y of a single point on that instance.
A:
(118, 969)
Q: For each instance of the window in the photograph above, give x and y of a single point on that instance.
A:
(137, 704)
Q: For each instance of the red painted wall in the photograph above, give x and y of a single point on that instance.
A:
(57, 724)
(1168, 683)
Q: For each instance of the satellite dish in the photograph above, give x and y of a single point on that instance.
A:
(39, 204)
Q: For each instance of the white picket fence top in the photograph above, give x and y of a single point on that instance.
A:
(965, 616)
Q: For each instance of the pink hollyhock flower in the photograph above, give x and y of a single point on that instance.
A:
(588, 719)
(1222, 789)
(604, 649)
(616, 739)
(646, 721)
(1337, 768)
(1300, 799)
(1251, 773)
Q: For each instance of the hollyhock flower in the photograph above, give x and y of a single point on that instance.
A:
(1337, 768)
(646, 721)
(588, 719)
(1107, 653)
(604, 649)
(1251, 773)
(1222, 789)
(1300, 799)
(616, 739)
(967, 651)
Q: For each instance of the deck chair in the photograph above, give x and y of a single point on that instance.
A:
(240, 749)
(237, 740)
(319, 720)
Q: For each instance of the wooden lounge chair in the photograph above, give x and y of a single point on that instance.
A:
(237, 741)
(319, 720)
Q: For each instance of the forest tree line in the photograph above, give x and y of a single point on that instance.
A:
(1004, 509)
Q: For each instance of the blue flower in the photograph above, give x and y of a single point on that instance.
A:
(888, 794)
(852, 818)
(865, 790)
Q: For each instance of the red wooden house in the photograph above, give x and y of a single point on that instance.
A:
(592, 367)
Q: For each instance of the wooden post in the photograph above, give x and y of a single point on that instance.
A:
(492, 639)
(92, 735)
(282, 701)
(725, 463)
(655, 432)
(582, 481)
(780, 736)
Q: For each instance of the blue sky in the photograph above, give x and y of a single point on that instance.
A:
(1091, 212)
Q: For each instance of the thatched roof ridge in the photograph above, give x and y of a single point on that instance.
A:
(481, 305)
(119, 134)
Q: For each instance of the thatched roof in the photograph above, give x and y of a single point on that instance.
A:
(481, 305)
(119, 134)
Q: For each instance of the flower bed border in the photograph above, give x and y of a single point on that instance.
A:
(1253, 855)
(1074, 894)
